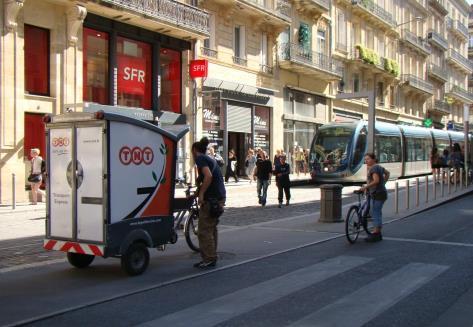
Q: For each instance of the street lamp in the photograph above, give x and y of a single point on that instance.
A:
(416, 19)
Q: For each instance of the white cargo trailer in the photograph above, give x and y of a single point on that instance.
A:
(110, 187)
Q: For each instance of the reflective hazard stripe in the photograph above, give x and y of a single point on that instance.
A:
(75, 247)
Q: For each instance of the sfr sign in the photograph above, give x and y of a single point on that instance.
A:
(198, 68)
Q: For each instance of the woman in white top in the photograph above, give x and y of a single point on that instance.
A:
(36, 162)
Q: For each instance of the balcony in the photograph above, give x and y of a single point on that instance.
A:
(273, 13)
(440, 6)
(177, 18)
(457, 28)
(417, 84)
(458, 93)
(416, 42)
(370, 61)
(421, 5)
(266, 69)
(437, 72)
(439, 106)
(240, 61)
(208, 52)
(437, 40)
(459, 61)
(295, 58)
(374, 13)
(313, 7)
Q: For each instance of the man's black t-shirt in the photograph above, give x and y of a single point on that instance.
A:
(216, 188)
(284, 170)
(263, 169)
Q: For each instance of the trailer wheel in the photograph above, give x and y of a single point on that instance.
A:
(135, 260)
(80, 260)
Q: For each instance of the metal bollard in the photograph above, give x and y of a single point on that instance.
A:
(442, 186)
(427, 189)
(417, 192)
(461, 178)
(13, 191)
(435, 187)
(455, 179)
(449, 184)
(396, 197)
(407, 195)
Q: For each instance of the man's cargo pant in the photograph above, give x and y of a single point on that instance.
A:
(207, 233)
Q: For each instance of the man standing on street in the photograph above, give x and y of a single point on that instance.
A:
(262, 173)
(282, 180)
(212, 194)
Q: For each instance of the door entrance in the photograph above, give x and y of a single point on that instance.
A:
(240, 143)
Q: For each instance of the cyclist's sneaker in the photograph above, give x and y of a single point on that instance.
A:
(205, 265)
(372, 238)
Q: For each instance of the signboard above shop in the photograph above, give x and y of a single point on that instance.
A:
(198, 68)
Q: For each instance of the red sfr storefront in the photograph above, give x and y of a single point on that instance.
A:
(128, 66)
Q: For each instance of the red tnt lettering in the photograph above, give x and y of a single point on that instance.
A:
(137, 155)
(148, 156)
(125, 155)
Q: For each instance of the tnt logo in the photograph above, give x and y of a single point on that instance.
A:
(136, 155)
(60, 141)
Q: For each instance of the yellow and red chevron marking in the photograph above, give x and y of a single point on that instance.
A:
(81, 248)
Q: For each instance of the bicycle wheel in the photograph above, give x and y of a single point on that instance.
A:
(191, 229)
(353, 224)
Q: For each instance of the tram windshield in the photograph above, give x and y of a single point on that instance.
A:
(331, 147)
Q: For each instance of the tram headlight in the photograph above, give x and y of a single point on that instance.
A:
(326, 169)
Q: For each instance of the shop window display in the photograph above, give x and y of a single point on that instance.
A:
(96, 81)
(170, 74)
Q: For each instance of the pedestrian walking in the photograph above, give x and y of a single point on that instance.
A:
(231, 170)
(263, 173)
(211, 198)
(435, 163)
(377, 193)
(250, 164)
(282, 180)
(218, 158)
(276, 160)
(299, 154)
(36, 174)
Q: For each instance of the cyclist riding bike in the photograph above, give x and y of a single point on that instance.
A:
(376, 180)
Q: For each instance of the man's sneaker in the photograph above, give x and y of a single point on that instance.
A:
(259, 199)
(205, 265)
(280, 205)
(372, 238)
(287, 202)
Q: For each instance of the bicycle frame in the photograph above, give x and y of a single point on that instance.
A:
(364, 205)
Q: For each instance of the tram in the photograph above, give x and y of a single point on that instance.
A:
(338, 150)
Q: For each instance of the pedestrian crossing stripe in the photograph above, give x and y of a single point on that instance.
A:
(358, 308)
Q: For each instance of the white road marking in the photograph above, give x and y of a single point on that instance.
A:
(363, 305)
(411, 240)
(31, 265)
(231, 305)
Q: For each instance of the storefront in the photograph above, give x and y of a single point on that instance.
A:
(236, 117)
(304, 113)
(131, 67)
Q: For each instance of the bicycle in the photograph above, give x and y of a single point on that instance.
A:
(187, 210)
(358, 217)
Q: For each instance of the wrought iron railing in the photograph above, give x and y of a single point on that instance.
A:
(437, 71)
(376, 10)
(458, 26)
(459, 91)
(453, 54)
(297, 53)
(438, 39)
(415, 40)
(240, 61)
(439, 5)
(439, 105)
(209, 52)
(174, 12)
(279, 7)
(417, 83)
(323, 3)
(267, 69)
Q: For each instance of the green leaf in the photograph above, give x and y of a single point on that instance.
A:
(155, 177)
(163, 180)
(161, 150)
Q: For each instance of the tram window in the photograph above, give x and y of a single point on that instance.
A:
(359, 150)
(418, 149)
(441, 145)
(388, 148)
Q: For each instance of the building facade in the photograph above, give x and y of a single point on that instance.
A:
(275, 68)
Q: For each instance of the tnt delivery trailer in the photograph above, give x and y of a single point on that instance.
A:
(110, 187)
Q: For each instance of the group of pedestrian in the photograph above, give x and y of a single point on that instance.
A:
(301, 160)
(264, 171)
(452, 160)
